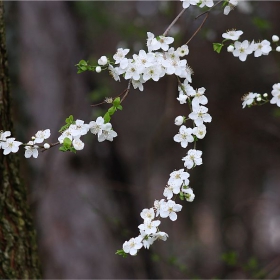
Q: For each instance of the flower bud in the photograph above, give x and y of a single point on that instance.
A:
(98, 69)
(103, 60)
(259, 99)
(278, 49)
(33, 137)
(265, 95)
(179, 120)
(230, 48)
(275, 38)
(47, 146)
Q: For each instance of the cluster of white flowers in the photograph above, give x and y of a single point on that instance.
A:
(74, 132)
(258, 99)
(10, 145)
(103, 131)
(229, 4)
(149, 65)
(243, 49)
(178, 183)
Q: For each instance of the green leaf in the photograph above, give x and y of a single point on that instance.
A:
(63, 149)
(82, 63)
(217, 47)
(107, 117)
(119, 107)
(117, 102)
(112, 110)
(67, 143)
(70, 119)
(121, 253)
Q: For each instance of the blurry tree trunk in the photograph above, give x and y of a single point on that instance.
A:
(18, 249)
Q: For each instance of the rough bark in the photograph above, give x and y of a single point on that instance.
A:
(18, 249)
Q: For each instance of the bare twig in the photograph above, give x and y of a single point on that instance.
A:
(197, 30)
(173, 22)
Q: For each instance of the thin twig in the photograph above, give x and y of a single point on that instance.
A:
(173, 22)
(208, 11)
(126, 91)
(197, 30)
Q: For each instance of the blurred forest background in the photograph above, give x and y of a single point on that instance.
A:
(87, 204)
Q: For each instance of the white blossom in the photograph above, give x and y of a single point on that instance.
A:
(31, 150)
(149, 226)
(262, 48)
(133, 245)
(248, 99)
(147, 214)
(169, 209)
(177, 178)
(10, 146)
(276, 95)
(192, 159)
(199, 131)
(200, 115)
(41, 135)
(3, 137)
(78, 144)
(242, 50)
(184, 136)
(232, 34)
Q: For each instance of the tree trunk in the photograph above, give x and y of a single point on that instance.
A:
(18, 249)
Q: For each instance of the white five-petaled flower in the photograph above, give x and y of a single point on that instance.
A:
(199, 131)
(96, 127)
(241, 50)
(147, 214)
(170, 190)
(184, 136)
(200, 115)
(78, 144)
(41, 135)
(276, 95)
(183, 50)
(208, 3)
(133, 245)
(79, 128)
(182, 98)
(199, 97)
(232, 34)
(187, 3)
(192, 159)
(3, 137)
(169, 209)
(31, 150)
(262, 48)
(178, 177)
(120, 55)
(149, 226)
(10, 146)
(248, 99)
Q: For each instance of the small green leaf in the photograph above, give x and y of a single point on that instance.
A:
(121, 253)
(117, 102)
(70, 119)
(119, 107)
(112, 110)
(82, 63)
(107, 117)
(217, 47)
(63, 149)
(67, 142)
